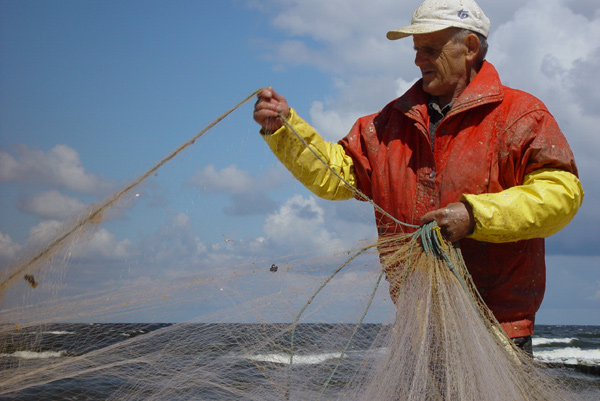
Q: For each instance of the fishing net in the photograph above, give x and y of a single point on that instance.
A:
(303, 324)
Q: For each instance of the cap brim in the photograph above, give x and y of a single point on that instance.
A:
(415, 30)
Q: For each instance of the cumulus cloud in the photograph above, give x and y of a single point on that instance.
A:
(174, 246)
(60, 167)
(103, 245)
(300, 224)
(8, 249)
(236, 181)
(346, 39)
(540, 46)
(86, 244)
(248, 194)
(42, 233)
(352, 219)
(230, 179)
(555, 62)
(558, 64)
(555, 53)
(51, 204)
(89, 243)
(331, 123)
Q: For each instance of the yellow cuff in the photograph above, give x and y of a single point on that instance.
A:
(545, 203)
(313, 173)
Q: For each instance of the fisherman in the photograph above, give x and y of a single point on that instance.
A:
(487, 162)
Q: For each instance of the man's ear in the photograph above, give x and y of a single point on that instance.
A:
(472, 43)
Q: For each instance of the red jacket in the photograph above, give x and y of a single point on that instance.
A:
(490, 139)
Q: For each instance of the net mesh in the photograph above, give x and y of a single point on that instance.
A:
(308, 324)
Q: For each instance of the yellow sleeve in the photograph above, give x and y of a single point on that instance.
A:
(306, 167)
(542, 206)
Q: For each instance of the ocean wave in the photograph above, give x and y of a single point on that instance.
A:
(35, 355)
(569, 356)
(546, 341)
(313, 359)
(58, 333)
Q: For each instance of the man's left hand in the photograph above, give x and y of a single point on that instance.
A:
(455, 220)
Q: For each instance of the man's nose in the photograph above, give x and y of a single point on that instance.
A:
(420, 59)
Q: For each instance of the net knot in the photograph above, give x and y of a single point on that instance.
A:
(431, 239)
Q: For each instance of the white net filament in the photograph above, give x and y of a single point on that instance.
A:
(283, 343)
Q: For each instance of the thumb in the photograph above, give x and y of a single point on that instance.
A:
(276, 95)
(266, 93)
(428, 217)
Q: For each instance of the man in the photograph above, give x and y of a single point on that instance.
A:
(488, 163)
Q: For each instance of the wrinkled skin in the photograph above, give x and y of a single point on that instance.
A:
(267, 109)
(446, 64)
(455, 220)
(447, 68)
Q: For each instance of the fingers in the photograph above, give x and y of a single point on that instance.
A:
(268, 94)
(431, 216)
(267, 108)
(276, 95)
(455, 220)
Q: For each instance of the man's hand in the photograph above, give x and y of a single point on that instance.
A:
(267, 108)
(456, 220)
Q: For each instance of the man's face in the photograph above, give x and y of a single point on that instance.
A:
(442, 64)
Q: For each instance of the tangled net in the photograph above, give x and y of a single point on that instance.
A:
(440, 342)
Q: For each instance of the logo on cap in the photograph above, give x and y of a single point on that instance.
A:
(462, 14)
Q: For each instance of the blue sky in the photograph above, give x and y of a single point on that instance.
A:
(94, 93)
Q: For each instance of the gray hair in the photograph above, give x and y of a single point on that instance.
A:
(461, 35)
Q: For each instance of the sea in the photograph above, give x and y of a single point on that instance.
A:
(572, 352)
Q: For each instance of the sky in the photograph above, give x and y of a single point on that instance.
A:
(94, 93)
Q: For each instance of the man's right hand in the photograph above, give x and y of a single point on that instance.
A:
(267, 108)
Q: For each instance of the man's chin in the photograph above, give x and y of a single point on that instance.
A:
(428, 89)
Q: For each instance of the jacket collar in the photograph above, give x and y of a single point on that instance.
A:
(485, 88)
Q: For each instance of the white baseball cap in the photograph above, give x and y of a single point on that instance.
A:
(435, 15)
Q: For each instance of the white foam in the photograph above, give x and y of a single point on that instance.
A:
(35, 355)
(546, 341)
(313, 359)
(570, 356)
(58, 333)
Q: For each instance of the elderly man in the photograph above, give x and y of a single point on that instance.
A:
(488, 163)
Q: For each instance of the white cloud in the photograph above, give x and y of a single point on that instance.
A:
(172, 248)
(104, 246)
(557, 43)
(52, 205)
(181, 220)
(230, 179)
(42, 233)
(558, 63)
(86, 243)
(300, 224)
(540, 46)
(8, 249)
(336, 20)
(60, 167)
(357, 96)
(235, 181)
(347, 40)
(330, 123)
(248, 194)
